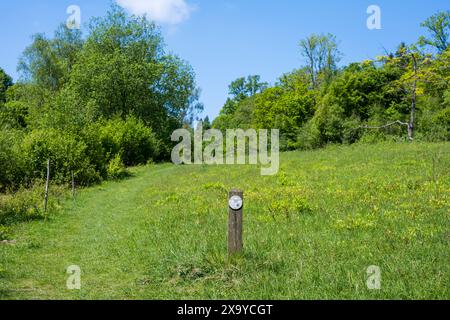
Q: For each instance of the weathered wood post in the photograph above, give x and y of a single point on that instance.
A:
(46, 185)
(235, 215)
(73, 185)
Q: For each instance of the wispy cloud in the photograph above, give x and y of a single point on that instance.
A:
(162, 11)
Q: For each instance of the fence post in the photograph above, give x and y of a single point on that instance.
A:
(46, 185)
(73, 185)
(235, 217)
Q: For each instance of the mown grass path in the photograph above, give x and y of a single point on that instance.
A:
(96, 231)
(310, 232)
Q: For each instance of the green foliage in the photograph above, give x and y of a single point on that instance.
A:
(162, 233)
(286, 107)
(48, 62)
(322, 56)
(238, 109)
(65, 151)
(5, 83)
(329, 121)
(83, 101)
(116, 168)
(435, 125)
(13, 115)
(438, 26)
(123, 58)
(131, 139)
(24, 205)
(12, 164)
(5, 234)
(289, 207)
(87, 154)
(246, 87)
(321, 104)
(119, 69)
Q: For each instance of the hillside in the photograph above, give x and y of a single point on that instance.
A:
(310, 232)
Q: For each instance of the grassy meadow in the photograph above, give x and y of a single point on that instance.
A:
(310, 232)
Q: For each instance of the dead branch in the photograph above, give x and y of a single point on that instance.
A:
(385, 126)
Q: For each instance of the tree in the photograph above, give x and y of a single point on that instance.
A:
(322, 55)
(243, 87)
(413, 65)
(438, 27)
(240, 90)
(48, 62)
(14, 112)
(436, 74)
(67, 44)
(237, 89)
(254, 85)
(122, 69)
(5, 82)
(206, 123)
(287, 106)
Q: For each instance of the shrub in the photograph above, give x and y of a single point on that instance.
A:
(95, 150)
(308, 137)
(130, 138)
(329, 122)
(90, 154)
(13, 115)
(24, 205)
(433, 125)
(28, 204)
(116, 169)
(11, 161)
(66, 152)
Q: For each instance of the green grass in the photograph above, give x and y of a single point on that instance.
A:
(310, 232)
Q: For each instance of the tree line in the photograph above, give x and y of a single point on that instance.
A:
(93, 104)
(402, 95)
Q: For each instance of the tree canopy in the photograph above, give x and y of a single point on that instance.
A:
(5, 83)
(92, 102)
(323, 103)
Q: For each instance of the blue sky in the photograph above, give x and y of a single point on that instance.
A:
(226, 39)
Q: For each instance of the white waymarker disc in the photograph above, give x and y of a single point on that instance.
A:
(235, 203)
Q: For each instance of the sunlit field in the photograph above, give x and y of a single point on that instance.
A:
(310, 232)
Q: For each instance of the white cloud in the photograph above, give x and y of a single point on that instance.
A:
(162, 11)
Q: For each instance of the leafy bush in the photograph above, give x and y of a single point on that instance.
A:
(131, 139)
(11, 161)
(329, 121)
(13, 115)
(66, 152)
(27, 204)
(24, 205)
(116, 169)
(308, 137)
(96, 152)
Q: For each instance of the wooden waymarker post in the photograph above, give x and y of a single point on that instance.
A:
(235, 214)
